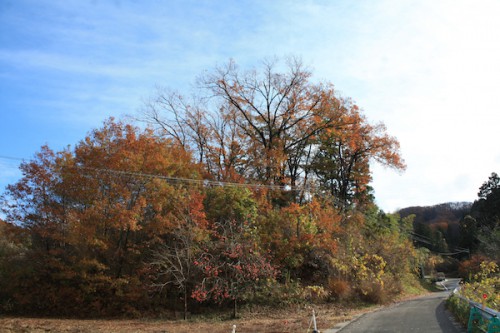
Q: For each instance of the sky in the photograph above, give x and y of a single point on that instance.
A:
(428, 69)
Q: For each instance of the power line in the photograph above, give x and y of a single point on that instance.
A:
(453, 253)
(201, 182)
(207, 182)
(11, 158)
(176, 179)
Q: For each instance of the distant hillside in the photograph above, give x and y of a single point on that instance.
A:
(438, 227)
(446, 212)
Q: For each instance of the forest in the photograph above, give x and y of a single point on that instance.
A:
(254, 189)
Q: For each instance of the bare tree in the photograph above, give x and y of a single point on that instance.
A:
(174, 263)
(257, 125)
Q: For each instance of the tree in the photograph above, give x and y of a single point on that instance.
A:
(487, 208)
(174, 261)
(93, 212)
(233, 262)
(489, 187)
(126, 206)
(113, 216)
(210, 134)
(232, 265)
(342, 159)
(489, 243)
(273, 125)
(277, 113)
(375, 254)
(258, 123)
(13, 248)
(479, 229)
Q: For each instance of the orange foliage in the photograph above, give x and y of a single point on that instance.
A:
(95, 213)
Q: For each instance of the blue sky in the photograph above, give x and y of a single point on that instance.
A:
(429, 70)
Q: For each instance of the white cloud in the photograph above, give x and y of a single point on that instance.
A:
(428, 69)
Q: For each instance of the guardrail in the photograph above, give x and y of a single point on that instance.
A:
(481, 318)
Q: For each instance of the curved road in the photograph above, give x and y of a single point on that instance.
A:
(424, 314)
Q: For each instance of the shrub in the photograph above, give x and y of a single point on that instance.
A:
(315, 294)
(339, 289)
(373, 291)
(468, 268)
(485, 282)
(459, 308)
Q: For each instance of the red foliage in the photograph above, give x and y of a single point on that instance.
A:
(468, 268)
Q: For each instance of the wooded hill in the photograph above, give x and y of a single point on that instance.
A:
(462, 229)
(437, 227)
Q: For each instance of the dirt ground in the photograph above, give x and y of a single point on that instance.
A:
(297, 319)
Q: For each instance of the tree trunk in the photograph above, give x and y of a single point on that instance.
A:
(235, 312)
(185, 304)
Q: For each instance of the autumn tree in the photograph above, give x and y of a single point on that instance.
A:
(275, 111)
(173, 262)
(13, 248)
(209, 133)
(233, 265)
(258, 123)
(375, 255)
(274, 125)
(92, 212)
(342, 159)
(248, 177)
(126, 205)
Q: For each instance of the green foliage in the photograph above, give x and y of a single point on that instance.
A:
(490, 243)
(459, 308)
(438, 226)
(230, 204)
(376, 257)
(485, 282)
(483, 223)
(286, 293)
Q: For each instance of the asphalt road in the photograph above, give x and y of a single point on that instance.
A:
(424, 314)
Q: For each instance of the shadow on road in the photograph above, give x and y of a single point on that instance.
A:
(446, 321)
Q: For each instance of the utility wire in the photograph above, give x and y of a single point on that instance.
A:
(452, 253)
(206, 182)
(202, 182)
(174, 179)
(11, 158)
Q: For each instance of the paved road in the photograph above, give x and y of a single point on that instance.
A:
(425, 314)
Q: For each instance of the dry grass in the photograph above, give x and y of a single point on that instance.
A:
(295, 319)
(258, 319)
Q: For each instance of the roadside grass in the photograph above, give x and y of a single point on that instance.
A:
(252, 318)
(257, 319)
(430, 285)
(414, 287)
(459, 308)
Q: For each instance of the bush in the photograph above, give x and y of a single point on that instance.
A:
(339, 289)
(290, 292)
(315, 294)
(485, 282)
(468, 268)
(373, 291)
(459, 308)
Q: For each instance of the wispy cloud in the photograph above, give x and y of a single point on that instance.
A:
(428, 69)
